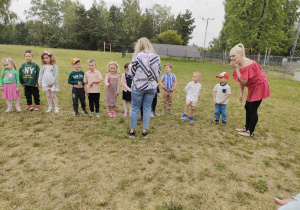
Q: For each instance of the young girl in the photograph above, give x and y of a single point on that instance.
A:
(126, 81)
(9, 84)
(112, 83)
(48, 79)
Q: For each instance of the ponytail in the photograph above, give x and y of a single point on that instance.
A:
(239, 48)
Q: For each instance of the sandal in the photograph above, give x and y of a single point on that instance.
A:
(240, 129)
(246, 133)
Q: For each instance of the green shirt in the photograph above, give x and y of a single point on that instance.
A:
(9, 76)
(29, 74)
(75, 77)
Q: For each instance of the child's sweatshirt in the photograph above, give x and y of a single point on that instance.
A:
(29, 74)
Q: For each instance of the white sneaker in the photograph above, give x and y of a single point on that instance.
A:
(56, 110)
(18, 109)
(152, 115)
(8, 110)
(49, 110)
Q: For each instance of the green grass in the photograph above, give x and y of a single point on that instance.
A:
(58, 161)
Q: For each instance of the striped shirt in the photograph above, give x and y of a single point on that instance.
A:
(145, 70)
(169, 80)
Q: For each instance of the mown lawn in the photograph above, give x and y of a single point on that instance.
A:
(58, 161)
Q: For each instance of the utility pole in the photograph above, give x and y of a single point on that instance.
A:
(295, 42)
(208, 20)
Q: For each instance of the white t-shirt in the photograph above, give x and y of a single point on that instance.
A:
(222, 91)
(192, 91)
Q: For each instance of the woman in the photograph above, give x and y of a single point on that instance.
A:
(249, 73)
(145, 70)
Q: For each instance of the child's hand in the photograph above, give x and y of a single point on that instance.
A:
(172, 89)
(40, 85)
(215, 102)
(117, 95)
(221, 102)
(129, 90)
(17, 89)
(109, 84)
(158, 94)
(80, 84)
(1, 88)
(37, 86)
(86, 93)
(50, 85)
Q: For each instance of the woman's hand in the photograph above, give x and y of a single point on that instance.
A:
(241, 98)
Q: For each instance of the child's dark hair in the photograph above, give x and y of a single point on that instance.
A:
(126, 65)
(168, 64)
(28, 51)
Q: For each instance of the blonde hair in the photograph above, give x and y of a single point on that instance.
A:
(10, 60)
(198, 73)
(50, 54)
(143, 44)
(91, 60)
(240, 49)
(113, 63)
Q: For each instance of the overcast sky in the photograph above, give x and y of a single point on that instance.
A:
(199, 8)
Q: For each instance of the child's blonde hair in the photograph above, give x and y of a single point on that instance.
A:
(50, 54)
(240, 49)
(113, 63)
(91, 60)
(198, 73)
(143, 44)
(10, 60)
(28, 51)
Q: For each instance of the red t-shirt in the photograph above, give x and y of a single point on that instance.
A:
(258, 85)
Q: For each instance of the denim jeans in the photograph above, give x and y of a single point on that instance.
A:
(139, 98)
(220, 109)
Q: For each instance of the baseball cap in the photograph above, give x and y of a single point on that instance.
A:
(74, 60)
(223, 74)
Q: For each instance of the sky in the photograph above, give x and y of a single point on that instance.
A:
(201, 10)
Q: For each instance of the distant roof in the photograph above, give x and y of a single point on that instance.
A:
(176, 50)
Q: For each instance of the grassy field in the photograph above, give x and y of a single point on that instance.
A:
(58, 161)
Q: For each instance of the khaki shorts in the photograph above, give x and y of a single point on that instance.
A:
(190, 102)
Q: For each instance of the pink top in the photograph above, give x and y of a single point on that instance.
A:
(109, 75)
(124, 84)
(258, 85)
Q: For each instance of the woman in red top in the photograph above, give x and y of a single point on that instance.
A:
(249, 73)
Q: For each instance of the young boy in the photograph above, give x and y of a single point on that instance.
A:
(76, 79)
(29, 74)
(92, 79)
(221, 93)
(192, 92)
(168, 83)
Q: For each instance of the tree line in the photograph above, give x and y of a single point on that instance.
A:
(68, 24)
(262, 26)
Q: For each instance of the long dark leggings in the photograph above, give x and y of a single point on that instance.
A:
(251, 115)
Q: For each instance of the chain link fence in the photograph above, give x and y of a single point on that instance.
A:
(285, 65)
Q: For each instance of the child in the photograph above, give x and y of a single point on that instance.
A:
(126, 81)
(221, 93)
(48, 79)
(112, 82)
(76, 79)
(9, 84)
(92, 79)
(168, 83)
(29, 74)
(154, 103)
(192, 92)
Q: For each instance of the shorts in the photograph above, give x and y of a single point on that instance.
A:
(191, 102)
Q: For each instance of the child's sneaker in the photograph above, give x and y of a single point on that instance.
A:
(114, 114)
(84, 111)
(8, 110)
(97, 114)
(30, 108)
(56, 110)
(49, 110)
(183, 116)
(91, 114)
(110, 113)
(216, 121)
(145, 135)
(170, 111)
(37, 108)
(152, 115)
(125, 114)
(76, 113)
(223, 123)
(19, 109)
(191, 119)
(155, 114)
(163, 112)
(131, 135)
